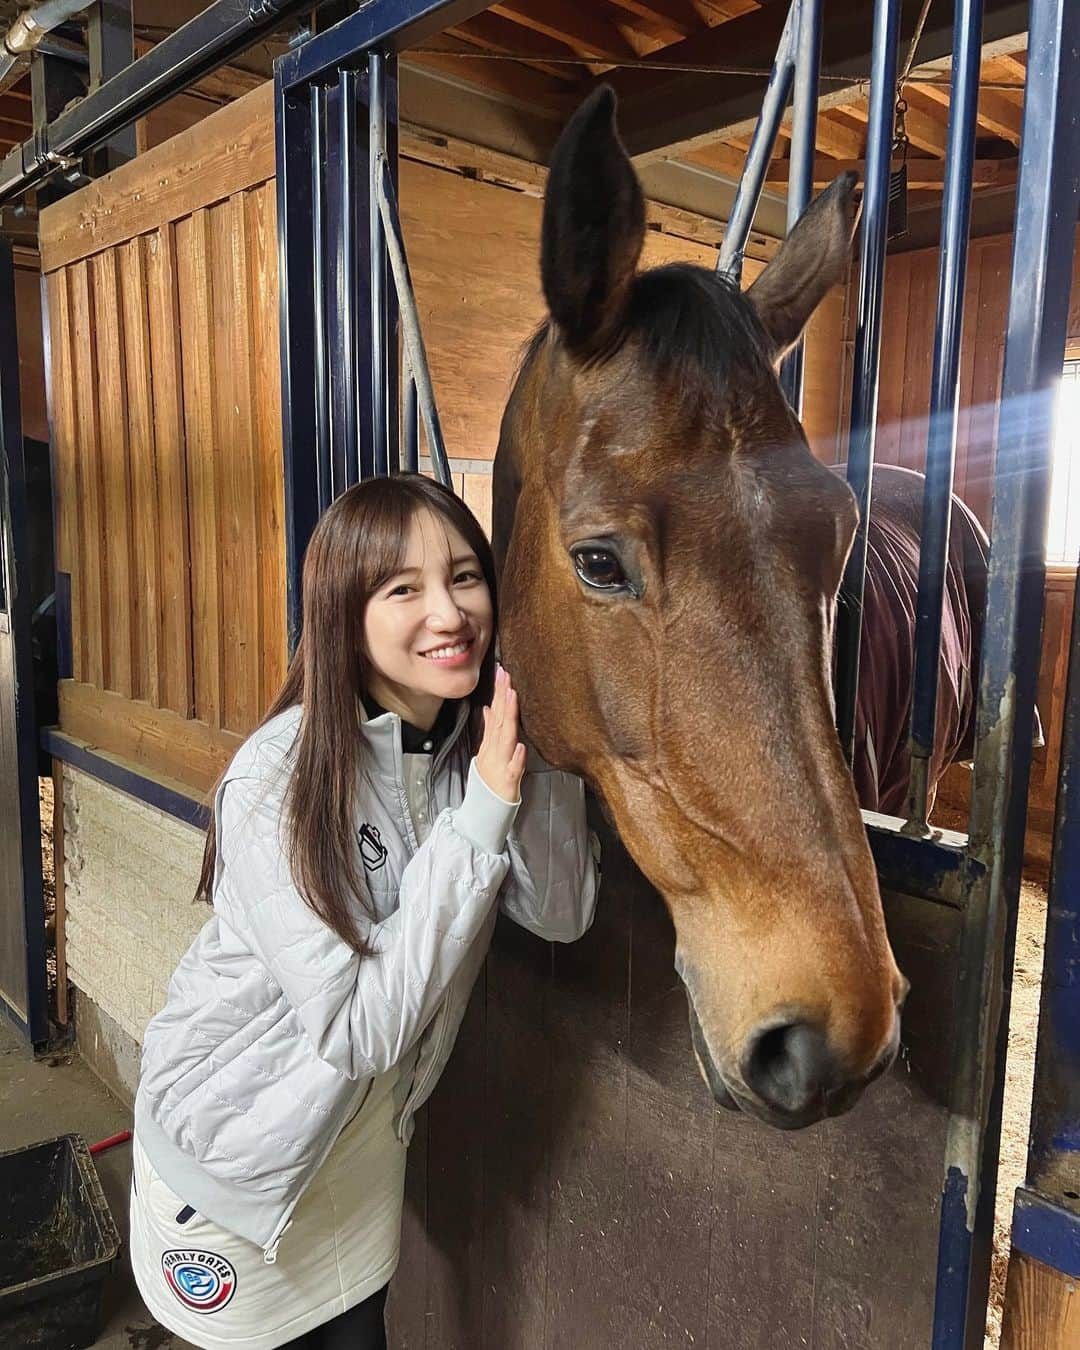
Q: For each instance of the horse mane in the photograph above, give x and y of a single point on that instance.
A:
(692, 328)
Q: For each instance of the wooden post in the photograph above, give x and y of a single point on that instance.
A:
(1042, 1307)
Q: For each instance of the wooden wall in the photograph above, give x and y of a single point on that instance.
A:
(162, 297)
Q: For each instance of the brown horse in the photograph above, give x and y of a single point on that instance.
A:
(670, 553)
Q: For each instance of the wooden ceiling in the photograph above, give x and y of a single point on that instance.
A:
(547, 54)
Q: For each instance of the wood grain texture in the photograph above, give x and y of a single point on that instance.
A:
(184, 749)
(1042, 1307)
(176, 674)
(60, 377)
(91, 520)
(195, 282)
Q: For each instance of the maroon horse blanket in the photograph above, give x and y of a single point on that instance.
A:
(887, 652)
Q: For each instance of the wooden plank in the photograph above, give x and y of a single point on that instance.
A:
(583, 30)
(122, 595)
(146, 553)
(922, 173)
(148, 738)
(1042, 1307)
(62, 395)
(915, 404)
(175, 675)
(230, 150)
(60, 894)
(989, 356)
(195, 286)
(236, 498)
(261, 209)
(91, 521)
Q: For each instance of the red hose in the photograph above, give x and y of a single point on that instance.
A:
(113, 1139)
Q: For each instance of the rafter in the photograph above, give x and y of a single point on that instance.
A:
(581, 29)
(678, 18)
(494, 34)
(921, 173)
(510, 79)
(837, 137)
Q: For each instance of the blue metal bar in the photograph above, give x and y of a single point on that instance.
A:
(412, 427)
(347, 365)
(392, 25)
(379, 335)
(748, 195)
(321, 388)
(296, 298)
(333, 316)
(944, 399)
(1047, 1231)
(801, 176)
(864, 394)
(410, 324)
(1047, 194)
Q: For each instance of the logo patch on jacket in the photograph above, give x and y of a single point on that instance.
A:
(372, 848)
(203, 1281)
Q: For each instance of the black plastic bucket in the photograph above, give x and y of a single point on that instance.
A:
(58, 1242)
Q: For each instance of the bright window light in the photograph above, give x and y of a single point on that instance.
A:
(1063, 533)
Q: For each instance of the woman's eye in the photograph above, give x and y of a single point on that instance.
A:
(601, 569)
(463, 577)
(403, 589)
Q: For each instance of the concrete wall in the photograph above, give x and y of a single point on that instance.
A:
(130, 872)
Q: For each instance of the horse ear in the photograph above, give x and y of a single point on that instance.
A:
(812, 259)
(593, 230)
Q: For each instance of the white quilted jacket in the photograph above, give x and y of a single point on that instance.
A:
(274, 1029)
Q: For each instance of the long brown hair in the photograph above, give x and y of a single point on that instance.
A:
(358, 544)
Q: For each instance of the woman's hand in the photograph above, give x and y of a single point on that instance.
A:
(500, 760)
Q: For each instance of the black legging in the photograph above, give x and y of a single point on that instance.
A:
(361, 1328)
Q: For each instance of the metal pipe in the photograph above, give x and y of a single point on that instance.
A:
(323, 439)
(412, 427)
(27, 32)
(377, 244)
(1047, 197)
(410, 324)
(944, 401)
(803, 141)
(170, 66)
(752, 181)
(864, 392)
(348, 272)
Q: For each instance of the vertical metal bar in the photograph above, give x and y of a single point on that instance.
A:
(410, 323)
(296, 291)
(730, 261)
(348, 357)
(334, 295)
(379, 336)
(321, 391)
(392, 359)
(111, 43)
(412, 427)
(1047, 197)
(801, 177)
(944, 398)
(864, 393)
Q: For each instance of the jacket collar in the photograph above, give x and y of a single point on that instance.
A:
(383, 734)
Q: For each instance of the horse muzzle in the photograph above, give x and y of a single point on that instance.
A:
(787, 1075)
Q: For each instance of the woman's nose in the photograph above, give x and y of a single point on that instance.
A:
(444, 615)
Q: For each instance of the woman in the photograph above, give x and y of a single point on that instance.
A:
(354, 861)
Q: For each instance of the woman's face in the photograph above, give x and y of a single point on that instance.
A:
(427, 628)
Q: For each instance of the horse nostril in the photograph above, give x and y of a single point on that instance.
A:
(789, 1067)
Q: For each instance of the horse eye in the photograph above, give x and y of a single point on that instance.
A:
(600, 569)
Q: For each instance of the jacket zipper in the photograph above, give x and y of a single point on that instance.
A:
(443, 1016)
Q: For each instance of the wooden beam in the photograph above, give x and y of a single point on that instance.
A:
(677, 17)
(921, 173)
(663, 112)
(925, 130)
(580, 28)
(493, 34)
(836, 136)
(509, 79)
(999, 113)
(1042, 1307)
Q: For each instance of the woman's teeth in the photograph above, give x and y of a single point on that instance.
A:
(445, 653)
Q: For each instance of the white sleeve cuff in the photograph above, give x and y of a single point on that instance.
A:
(484, 818)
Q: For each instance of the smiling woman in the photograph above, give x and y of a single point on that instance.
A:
(361, 842)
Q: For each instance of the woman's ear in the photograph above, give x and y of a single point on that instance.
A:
(812, 259)
(593, 228)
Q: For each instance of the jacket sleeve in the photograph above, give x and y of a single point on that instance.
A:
(361, 1014)
(554, 858)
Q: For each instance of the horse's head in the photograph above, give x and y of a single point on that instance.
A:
(670, 555)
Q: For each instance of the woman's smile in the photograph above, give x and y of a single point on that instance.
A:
(455, 655)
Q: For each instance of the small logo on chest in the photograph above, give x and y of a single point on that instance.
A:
(372, 848)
